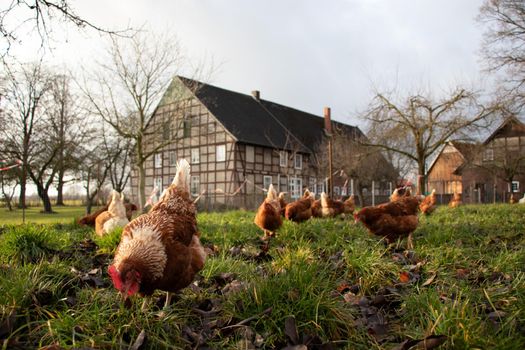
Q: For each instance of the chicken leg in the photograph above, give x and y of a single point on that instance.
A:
(410, 244)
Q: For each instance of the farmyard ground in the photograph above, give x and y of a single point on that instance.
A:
(324, 283)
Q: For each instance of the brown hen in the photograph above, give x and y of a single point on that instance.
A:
(393, 220)
(268, 216)
(161, 249)
(301, 209)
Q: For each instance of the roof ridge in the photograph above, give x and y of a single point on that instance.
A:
(281, 124)
(262, 99)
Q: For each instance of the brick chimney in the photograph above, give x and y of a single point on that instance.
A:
(327, 120)
(256, 94)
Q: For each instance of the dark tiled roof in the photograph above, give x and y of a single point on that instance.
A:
(262, 122)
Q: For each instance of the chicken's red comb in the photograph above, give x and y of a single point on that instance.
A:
(115, 277)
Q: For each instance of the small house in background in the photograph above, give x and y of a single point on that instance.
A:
(484, 173)
(441, 174)
(498, 169)
(237, 146)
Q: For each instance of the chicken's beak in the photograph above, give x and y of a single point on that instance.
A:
(126, 298)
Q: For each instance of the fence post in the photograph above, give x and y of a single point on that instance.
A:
(373, 193)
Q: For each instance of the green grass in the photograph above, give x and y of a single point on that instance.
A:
(63, 215)
(467, 282)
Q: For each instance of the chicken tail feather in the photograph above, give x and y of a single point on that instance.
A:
(182, 177)
(272, 194)
(324, 200)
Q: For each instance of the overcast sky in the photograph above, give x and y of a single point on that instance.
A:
(303, 54)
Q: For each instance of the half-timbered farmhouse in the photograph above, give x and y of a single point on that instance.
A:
(237, 145)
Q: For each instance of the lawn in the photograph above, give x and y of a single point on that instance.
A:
(324, 283)
(62, 215)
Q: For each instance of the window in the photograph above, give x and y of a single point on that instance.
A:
(173, 158)
(158, 160)
(221, 153)
(337, 190)
(267, 180)
(488, 154)
(320, 187)
(283, 158)
(515, 186)
(344, 191)
(194, 185)
(312, 185)
(298, 161)
(186, 128)
(195, 156)
(296, 185)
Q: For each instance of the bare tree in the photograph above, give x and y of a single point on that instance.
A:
(8, 182)
(418, 126)
(118, 151)
(68, 128)
(362, 163)
(41, 16)
(23, 102)
(503, 47)
(129, 85)
(93, 174)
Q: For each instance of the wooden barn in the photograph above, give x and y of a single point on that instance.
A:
(237, 145)
(484, 173)
(441, 174)
(498, 170)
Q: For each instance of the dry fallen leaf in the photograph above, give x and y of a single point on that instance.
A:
(404, 277)
(428, 343)
(462, 273)
(429, 280)
(139, 341)
(290, 329)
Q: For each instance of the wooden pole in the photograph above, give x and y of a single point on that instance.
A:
(328, 130)
(373, 193)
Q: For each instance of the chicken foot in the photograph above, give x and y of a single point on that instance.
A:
(410, 244)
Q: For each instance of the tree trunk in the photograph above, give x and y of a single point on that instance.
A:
(47, 203)
(8, 203)
(60, 189)
(8, 199)
(44, 196)
(421, 183)
(89, 204)
(142, 185)
(23, 181)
